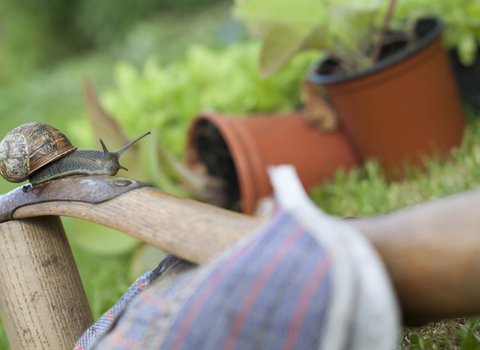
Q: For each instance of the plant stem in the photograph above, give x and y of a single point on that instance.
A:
(378, 45)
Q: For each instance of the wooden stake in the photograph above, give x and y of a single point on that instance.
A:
(42, 300)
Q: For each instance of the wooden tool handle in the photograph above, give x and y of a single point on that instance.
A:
(186, 228)
(42, 301)
(432, 251)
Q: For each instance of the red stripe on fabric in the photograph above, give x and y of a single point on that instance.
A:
(118, 339)
(109, 315)
(140, 284)
(78, 347)
(147, 297)
(257, 287)
(203, 295)
(303, 302)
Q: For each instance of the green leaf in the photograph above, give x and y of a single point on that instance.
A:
(414, 339)
(467, 336)
(286, 12)
(125, 74)
(467, 49)
(350, 31)
(280, 44)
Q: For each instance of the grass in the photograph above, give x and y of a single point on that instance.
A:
(456, 334)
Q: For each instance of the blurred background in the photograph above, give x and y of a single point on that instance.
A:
(48, 48)
(154, 65)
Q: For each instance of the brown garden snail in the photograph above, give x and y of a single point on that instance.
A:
(39, 152)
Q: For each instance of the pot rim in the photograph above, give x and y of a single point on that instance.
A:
(235, 147)
(430, 37)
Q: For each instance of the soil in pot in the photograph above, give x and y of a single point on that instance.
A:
(213, 152)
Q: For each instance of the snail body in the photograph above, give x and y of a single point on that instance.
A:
(40, 153)
(77, 163)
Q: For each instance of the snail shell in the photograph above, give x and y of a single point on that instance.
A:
(29, 147)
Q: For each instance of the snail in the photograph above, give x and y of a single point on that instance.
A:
(39, 152)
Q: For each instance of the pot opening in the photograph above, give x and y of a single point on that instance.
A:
(395, 43)
(213, 152)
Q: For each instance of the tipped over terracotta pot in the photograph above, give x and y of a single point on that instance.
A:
(239, 150)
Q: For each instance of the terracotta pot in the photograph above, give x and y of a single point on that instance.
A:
(404, 107)
(247, 146)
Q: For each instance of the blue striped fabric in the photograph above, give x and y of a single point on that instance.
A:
(303, 281)
(250, 298)
(103, 324)
(269, 292)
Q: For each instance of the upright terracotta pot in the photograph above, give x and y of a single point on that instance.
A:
(404, 107)
(250, 145)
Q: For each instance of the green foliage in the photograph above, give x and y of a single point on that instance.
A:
(166, 98)
(454, 334)
(106, 22)
(462, 18)
(38, 34)
(467, 336)
(301, 13)
(345, 29)
(22, 36)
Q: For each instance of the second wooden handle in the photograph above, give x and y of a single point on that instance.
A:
(42, 301)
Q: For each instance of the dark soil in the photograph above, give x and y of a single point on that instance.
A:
(394, 42)
(214, 153)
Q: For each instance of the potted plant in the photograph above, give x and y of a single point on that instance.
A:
(390, 81)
